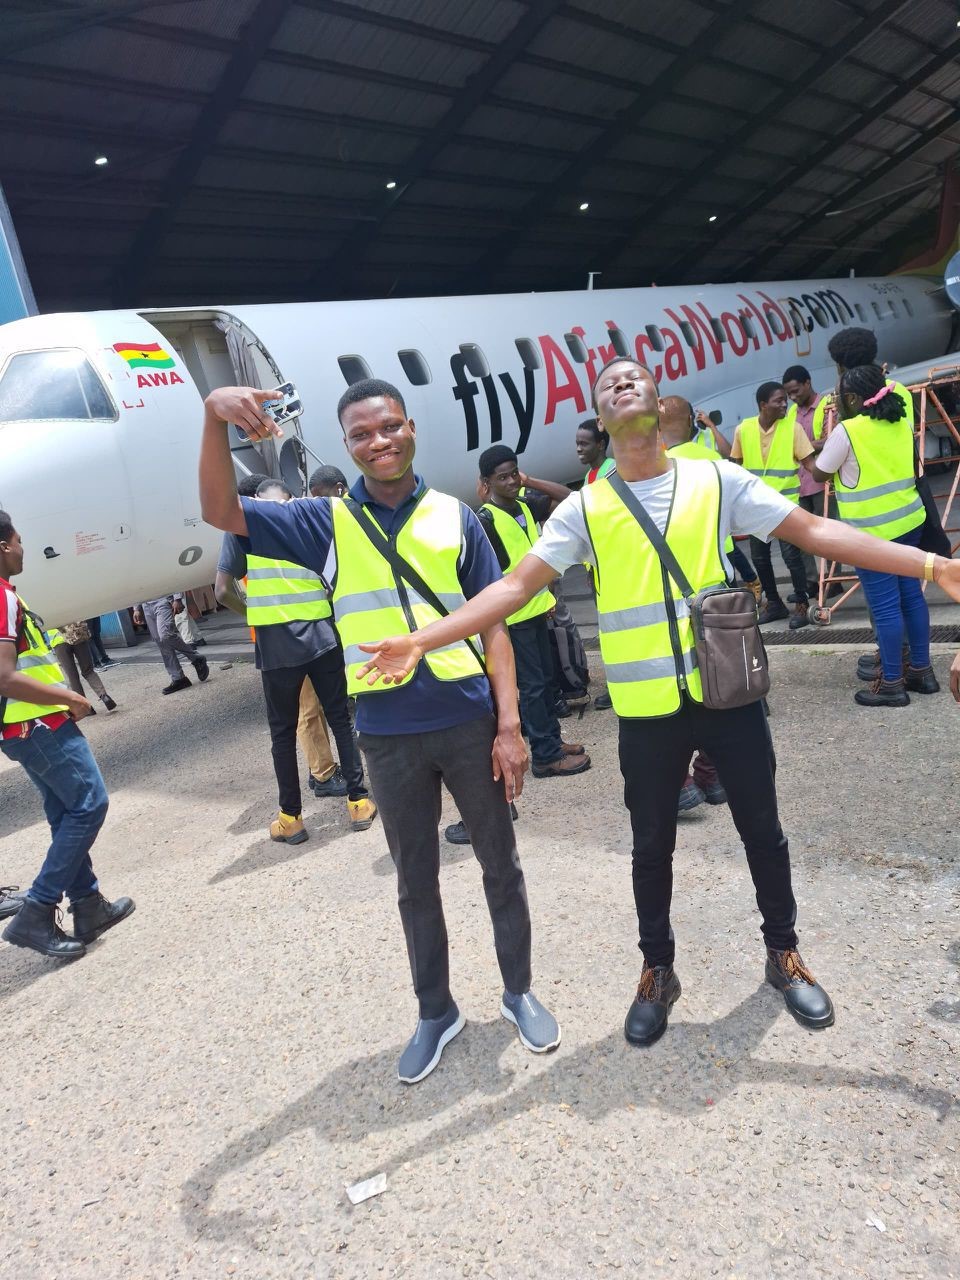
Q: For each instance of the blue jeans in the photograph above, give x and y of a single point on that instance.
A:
(894, 603)
(61, 766)
(534, 661)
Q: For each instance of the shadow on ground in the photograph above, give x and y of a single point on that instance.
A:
(363, 1097)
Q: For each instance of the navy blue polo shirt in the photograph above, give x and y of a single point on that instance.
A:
(302, 531)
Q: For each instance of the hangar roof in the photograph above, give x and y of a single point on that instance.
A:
(323, 148)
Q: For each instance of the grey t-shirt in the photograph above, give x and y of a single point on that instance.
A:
(747, 505)
(285, 644)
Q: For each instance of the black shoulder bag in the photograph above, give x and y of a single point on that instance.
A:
(730, 653)
(933, 537)
(405, 570)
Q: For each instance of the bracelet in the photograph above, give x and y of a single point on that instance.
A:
(928, 567)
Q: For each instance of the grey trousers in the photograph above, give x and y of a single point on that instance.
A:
(158, 615)
(72, 656)
(406, 770)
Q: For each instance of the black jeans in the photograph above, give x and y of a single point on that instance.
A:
(99, 652)
(281, 691)
(792, 558)
(534, 661)
(654, 757)
(406, 770)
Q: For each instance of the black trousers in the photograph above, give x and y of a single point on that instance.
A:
(654, 757)
(533, 657)
(281, 691)
(406, 770)
(792, 558)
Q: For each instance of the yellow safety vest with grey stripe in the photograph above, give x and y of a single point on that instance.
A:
(884, 501)
(780, 469)
(278, 591)
(37, 662)
(819, 414)
(371, 603)
(649, 656)
(517, 542)
(694, 449)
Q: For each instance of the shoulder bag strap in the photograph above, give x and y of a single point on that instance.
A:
(654, 536)
(403, 569)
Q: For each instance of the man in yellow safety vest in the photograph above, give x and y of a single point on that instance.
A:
(648, 647)
(38, 731)
(773, 446)
(399, 555)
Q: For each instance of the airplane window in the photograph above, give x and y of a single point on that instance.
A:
(655, 336)
(747, 323)
(689, 337)
(619, 343)
(876, 310)
(718, 331)
(576, 347)
(893, 308)
(907, 307)
(47, 386)
(775, 321)
(475, 360)
(797, 321)
(528, 353)
(415, 367)
(354, 369)
(861, 312)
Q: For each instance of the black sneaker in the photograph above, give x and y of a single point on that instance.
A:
(657, 993)
(108, 702)
(202, 668)
(457, 832)
(773, 611)
(921, 680)
(800, 616)
(883, 693)
(690, 796)
(714, 792)
(603, 701)
(176, 685)
(803, 995)
(335, 785)
(562, 709)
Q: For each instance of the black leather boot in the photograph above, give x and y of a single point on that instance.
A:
(94, 914)
(35, 925)
(803, 995)
(921, 680)
(883, 693)
(658, 991)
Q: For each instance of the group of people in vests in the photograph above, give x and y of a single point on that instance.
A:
(421, 602)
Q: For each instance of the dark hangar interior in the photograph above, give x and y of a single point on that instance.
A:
(195, 151)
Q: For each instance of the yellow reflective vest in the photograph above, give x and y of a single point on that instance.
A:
(649, 655)
(884, 501)
(780, 469)
(37, 662)
(694, 449)
(278, 591)
(517, 542)
(370, 602)
(819, 414)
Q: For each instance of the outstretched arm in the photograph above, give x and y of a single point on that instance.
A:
(834, 540)
(395, 658)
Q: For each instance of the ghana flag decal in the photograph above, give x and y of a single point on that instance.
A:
(145, 355)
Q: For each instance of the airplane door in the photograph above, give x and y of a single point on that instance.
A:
(801, 332)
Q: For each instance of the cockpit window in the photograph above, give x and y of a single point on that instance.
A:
(47, 386)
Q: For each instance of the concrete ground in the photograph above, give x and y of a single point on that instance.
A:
(192, 1098)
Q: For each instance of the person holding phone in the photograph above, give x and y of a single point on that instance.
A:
(38, 731)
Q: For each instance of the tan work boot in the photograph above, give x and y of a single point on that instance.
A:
(362, 813)
(288, 829)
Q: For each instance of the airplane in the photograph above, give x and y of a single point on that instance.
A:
(100, 412)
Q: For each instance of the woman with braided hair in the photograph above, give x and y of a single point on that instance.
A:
(869, 457)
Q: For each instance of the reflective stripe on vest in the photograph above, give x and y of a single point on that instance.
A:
(648, 663)
(517, 542)
(694, 449)
(780, 469)
(884, 502)
(39, 664)
(278, 592)
(370, 604)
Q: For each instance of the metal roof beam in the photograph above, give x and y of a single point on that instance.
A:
(67, 20)
(662, 204)
(259, 31)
